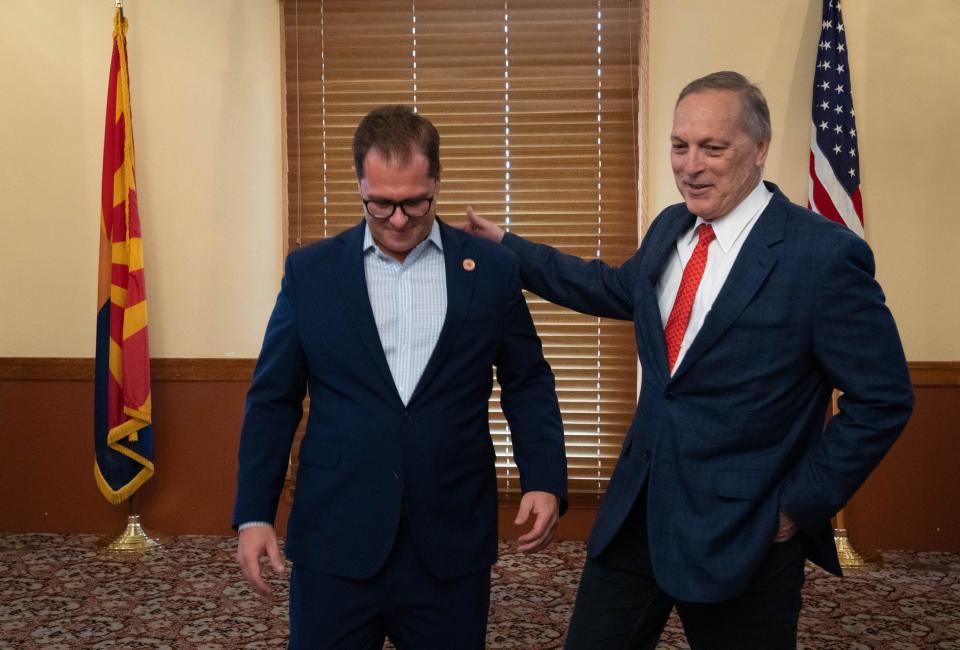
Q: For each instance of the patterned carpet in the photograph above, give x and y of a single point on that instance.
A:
(62, 592)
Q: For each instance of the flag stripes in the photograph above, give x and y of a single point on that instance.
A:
(834, 189)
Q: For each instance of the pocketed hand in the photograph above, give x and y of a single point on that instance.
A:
(786, 528)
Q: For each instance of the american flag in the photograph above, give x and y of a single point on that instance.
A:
(834, 158)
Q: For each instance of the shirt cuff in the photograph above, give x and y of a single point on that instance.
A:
(251, 524)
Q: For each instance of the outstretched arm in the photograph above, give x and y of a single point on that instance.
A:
(591, 287)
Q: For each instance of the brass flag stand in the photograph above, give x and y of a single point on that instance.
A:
(134, 537)
(849, 557)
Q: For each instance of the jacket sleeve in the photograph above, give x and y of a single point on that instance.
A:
(856, 343)
(591, 287)
(274, 407)
(529, 399)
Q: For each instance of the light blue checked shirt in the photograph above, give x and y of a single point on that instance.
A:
(409, 302)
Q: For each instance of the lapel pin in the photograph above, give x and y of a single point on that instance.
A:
(469, 264)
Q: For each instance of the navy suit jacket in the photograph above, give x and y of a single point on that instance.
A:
(364, 453)
(737, 433)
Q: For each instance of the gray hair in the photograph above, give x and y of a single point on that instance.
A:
(756, 115)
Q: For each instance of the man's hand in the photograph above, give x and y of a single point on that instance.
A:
(254, 543)
(476, 225)
(785, 528)
(546, 508)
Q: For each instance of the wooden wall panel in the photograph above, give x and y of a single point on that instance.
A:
(912, 500)
(46, 447)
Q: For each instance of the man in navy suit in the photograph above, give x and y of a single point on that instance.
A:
(749, 311)
(394, 327)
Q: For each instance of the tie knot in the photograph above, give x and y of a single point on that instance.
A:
(706, 235)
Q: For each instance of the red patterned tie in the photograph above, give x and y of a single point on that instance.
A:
(680, 314)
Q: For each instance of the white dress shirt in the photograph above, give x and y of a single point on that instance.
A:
(731, 231)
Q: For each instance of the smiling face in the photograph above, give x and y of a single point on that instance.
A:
(387, 181)
(716, 163)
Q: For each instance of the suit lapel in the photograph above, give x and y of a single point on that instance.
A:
(460, 282)
(352, 286)
(748, 274)
(662, 246)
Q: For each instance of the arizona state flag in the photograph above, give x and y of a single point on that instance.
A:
(123, 435)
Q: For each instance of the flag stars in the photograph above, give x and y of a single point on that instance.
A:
(841, 47)
(827, 24)
(825, 105)
(839, 27)
(853, 152)
(824, 126)
(838, 129)
(852, 173)
(837, 149)
(838, 109)
(825, 85)
(839, 88)
(853, 133)
(841, 68)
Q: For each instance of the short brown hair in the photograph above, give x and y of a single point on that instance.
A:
(393, 131)
(756, 115)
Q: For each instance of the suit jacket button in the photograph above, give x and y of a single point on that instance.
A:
(669, 395)
(647, 454)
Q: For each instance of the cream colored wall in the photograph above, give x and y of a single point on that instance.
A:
(206, 90)
(906, 93)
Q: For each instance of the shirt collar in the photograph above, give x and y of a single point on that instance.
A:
(729, 228)
(433, 238)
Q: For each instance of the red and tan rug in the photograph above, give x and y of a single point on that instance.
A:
(61, 591)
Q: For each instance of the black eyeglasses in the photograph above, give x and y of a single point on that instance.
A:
(412, 208)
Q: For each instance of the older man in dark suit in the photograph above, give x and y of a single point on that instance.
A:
(749, 312)
(395, 327)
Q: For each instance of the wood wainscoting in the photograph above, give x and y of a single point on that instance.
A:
(46, 451)
(46, 447)
(911, 501)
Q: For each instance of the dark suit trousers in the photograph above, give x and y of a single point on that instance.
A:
(620, 606)
(402, 601)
